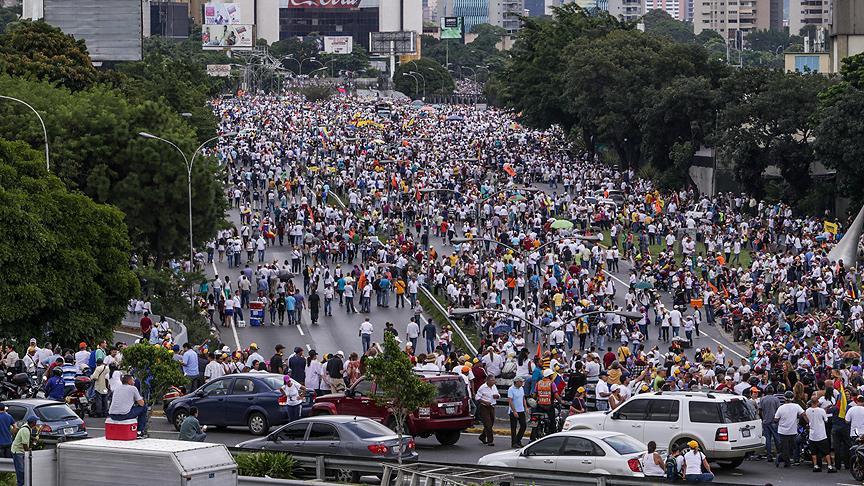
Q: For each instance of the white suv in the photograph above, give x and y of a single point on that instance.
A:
(726, 426)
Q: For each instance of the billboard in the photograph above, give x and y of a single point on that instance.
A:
(222, 14)
(338, 44)
(451, 27)
(400, 42)
(226, 36)
(219, 70)
(111, 28)
(319, 3)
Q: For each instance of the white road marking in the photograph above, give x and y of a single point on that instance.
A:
(308, 347)
(300, 330)
(137, 336)
(236, 337)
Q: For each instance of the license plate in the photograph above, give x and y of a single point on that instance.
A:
(450, 410)
(745, 432)
(68, 431)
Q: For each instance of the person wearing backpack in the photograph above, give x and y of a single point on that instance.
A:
(673, 464)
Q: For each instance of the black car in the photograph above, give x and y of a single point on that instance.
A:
(244, 399)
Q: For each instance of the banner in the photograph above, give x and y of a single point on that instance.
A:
(226, 36)
(319, 3)
(831, 227)
(221, 14)
(338, 44)
(451, 27)
(219, 70)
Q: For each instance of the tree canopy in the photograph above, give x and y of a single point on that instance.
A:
(65, 258)
(438, 79)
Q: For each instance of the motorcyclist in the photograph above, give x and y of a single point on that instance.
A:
(546, 395)
(55, 388)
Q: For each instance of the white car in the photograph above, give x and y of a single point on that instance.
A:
(725, 425)
(579, 451)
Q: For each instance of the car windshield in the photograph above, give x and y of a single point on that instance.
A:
(366, 429)
(738, 411)
(54, 413)
(451, 390)
(624, 444)
(273, 382)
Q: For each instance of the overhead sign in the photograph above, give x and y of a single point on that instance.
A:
(319, 3)
(219, 70)
(338, 44)
(222, 14)
(226, 36)
(451, 27)
(395, 42)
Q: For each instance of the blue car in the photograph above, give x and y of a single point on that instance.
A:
(244, 399)
(57, 421)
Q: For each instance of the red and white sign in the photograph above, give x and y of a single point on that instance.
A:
(319, 3)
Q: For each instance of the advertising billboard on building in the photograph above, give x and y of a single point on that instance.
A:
(111, 28)
(319, 3)
(226, 36)
(451, 27)
(222, 14)
(342, 44)
(219, 70)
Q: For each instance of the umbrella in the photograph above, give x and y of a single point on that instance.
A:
(562, 224)
(417, 103)
(517, 197)
(454, 118)
(501, 329)
(427, 108)
(643, 285)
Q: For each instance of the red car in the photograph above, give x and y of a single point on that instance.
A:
(446, 417)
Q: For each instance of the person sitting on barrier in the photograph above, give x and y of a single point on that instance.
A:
(127, 403)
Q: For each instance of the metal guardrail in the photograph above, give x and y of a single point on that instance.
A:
(6, 465)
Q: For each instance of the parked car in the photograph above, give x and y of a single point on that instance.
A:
(577, 451)
(336, 434)
(244, 399)
(57, 421)
(725, 425)
(446, 417)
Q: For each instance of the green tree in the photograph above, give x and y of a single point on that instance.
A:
(96, 149)
(438, 79)
(155, 368)
(9, 15)
(65, 259)
(398, 387)
(768, 120)
(356, 62)
(41, 51)
(660, 23)
(838, 140)
(769, 40)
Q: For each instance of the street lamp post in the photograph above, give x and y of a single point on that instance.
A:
(299, 64)
(313, 59)
(42, 122)
(416, 82)
(189, 164)
(424, 82)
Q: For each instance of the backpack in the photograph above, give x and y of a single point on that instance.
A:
(671, 468)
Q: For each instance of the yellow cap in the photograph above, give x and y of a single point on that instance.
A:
(693, 444)
(581, 389)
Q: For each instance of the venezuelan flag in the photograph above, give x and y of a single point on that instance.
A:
(843, 404)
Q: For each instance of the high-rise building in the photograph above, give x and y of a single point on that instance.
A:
(733, 19)
(505, 14)
(626, 10)
(672, 7)
(535, 8)
(803, 13)
(474, 11)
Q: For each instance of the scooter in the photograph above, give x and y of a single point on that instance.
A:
(541, 425)
(76, 397)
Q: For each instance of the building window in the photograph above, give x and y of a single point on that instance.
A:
(807, 64)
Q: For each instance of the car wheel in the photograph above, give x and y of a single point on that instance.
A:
(731, 464)
(681, 444)
(179, 417)
(258, 424)
(448, 437)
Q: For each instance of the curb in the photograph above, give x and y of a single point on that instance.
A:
(478, 430)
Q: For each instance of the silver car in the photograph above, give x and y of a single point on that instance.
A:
(336, 434)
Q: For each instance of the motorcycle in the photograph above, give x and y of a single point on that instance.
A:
(76, 397)
(17, 385)
(856, 455)
(173, 392)
(541, 425)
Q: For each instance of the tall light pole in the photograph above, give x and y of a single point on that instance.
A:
(189, 164)
(424, 82)
(44, 130)
(416, 82)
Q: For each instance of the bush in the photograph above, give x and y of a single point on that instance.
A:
(266, 464)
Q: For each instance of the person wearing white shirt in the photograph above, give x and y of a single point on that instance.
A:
(819, 447)
(787, 416)
(694, 462)
(253, 356)
(214, 368)
(413, 333)
(82, 357)
(366, 331)
(486, 397)
(855, 417)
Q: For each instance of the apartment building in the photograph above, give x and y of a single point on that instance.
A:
(505, 13)
(626, 10)
(729, 17)
(671, 7)
(803, 13)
